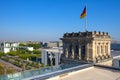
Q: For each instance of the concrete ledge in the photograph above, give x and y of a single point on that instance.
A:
(109, 67)
(69, 74)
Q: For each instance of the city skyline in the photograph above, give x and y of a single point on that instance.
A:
(46, 20)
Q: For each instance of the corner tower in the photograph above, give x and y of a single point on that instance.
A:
(86, 46)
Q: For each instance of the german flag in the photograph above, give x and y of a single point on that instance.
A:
(83, 13)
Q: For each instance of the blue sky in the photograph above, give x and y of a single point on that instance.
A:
(48, 20)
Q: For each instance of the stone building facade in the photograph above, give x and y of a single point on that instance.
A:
(86, 46)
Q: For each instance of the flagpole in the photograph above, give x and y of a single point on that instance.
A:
(86, 20)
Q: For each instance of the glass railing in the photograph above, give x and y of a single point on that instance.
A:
(32, 73)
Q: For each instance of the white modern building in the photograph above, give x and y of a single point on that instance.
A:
(26, 47)
(8, 46)
(51, 56)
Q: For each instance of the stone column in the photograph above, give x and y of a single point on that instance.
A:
(72, 55)
(100, 50)
(79, 56)
(66, 52)
(87, 51)
(96, 50)
(103, 49)
(109, 49)
(104, 53)
(106, 50)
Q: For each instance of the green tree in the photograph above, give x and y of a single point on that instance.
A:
(1, 54)
(12, 53)
(35, 46)
(36, 52)
(22, 44)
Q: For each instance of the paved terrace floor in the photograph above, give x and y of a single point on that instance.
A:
(92, 73)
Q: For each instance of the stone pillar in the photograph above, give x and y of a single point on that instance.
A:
(72, 55)
(66, 52)
(109, 49)
(79, 56)
(106, 50)
(94, 51)
(103, 52)
(100, 50)
(75, 52)
(87, 51)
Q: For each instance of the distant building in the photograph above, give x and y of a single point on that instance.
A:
(53, 44)
(86, 46)
(51, 56)
(30, 42)
(34, 42)
(8, 46)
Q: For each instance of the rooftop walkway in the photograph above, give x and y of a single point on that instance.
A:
(91, 73)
